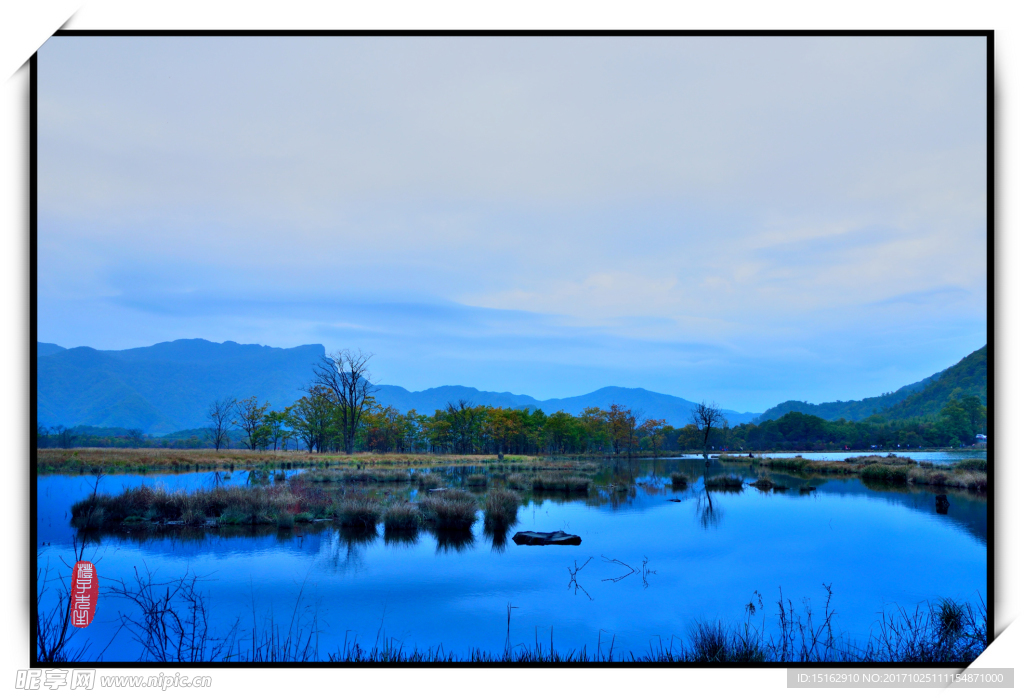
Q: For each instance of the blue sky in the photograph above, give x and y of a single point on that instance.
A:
(746, 220)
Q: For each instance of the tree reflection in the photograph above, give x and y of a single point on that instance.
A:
(707, 514)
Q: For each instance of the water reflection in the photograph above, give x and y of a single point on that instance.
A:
(707, 514)
(498, 531)
(401, 538)
(453, 540)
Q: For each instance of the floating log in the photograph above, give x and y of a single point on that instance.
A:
(555, 538)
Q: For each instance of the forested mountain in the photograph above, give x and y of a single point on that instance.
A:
(925, 398)
(168, 386)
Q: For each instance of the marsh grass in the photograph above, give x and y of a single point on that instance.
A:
(765, 483)
(560, 483)
(476, 480)
(723, 482)
(428, 481)
(962, 479)
(886, 472)
(359, 513)
(679, 481)
(501, 508)
(402, 516)
(973, 464)
(449, 509)
(518, 481)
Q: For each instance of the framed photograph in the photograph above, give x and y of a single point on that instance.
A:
(574, 349)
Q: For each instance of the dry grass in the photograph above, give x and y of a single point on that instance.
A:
(85, 460)
(963, 479)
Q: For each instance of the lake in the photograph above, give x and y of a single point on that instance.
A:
(648, 567)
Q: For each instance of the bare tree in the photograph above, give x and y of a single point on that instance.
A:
(345, 376)
(220, 414)
(706, 416)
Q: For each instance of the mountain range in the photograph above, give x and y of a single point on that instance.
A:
(168, 387)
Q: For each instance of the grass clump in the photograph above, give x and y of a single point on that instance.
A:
(560, 483)
(501, 508)
(359, 513)
(401, 517)
(679, 481)
(450, 509)
(428, 481)
(765, 483)
(476, 480)
(724, 482)
(885, 472)
(518, 481)
(973, 464)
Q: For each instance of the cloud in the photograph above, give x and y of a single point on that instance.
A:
(670, 204)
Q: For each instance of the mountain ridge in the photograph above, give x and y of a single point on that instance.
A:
(168, 387)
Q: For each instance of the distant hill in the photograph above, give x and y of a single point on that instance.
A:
(926, 397)
(45, 349)
(674, 410)
(967, 377)
(168, 387)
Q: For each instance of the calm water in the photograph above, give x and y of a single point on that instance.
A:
(875, 547)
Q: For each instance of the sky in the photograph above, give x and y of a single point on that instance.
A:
(744, 220)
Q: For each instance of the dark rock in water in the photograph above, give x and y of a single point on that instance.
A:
(556, 538)
(675, 500)
(805, 490)
(779, 488)
(941, 504)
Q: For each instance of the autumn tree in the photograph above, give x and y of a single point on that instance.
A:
(654, 429)
(622, 428)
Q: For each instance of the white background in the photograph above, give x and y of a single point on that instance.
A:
(24, 26)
